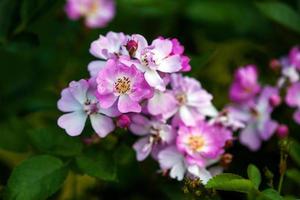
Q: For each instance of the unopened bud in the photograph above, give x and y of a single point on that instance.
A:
(275, 100)
(123, 121)
(282, 131)
(275, 64)
(131, 47)
(226, 159)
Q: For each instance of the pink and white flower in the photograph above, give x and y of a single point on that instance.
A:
(156, 134)
(293, 100)
(154, 59)
(122, 84)
(245, 85)
(79, 102)
(193, 102)
(97, 13)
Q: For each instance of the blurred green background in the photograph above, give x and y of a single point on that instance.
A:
(41, 51)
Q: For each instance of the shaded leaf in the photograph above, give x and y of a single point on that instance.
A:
(281, 13)
(98, 164)
(295, 151)
(254, 175)
(8, 15)
(293, 174)
(270, 194)
(55, 141)
(36, 178)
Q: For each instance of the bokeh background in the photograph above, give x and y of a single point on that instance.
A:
(41, 51)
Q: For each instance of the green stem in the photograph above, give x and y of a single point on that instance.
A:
(282, 170)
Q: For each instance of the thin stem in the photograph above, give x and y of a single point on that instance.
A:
(282, 170)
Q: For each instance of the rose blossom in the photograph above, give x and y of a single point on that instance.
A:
(97, 13)
(126, 85)
(79, 102)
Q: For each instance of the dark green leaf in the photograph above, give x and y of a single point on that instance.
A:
(295, 151)
(8, 15)
(270, 194)
(293, 174)
(281, 13)
(230, 182)
(98, 164)
(36, 178)
(55, 141)
(23, 41)
(254, 175)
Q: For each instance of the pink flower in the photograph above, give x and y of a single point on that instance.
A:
(79, 102)
(257, 118)
(202, 142)
(178, 49)
(106, 47)
(174, 161)
(193, 102)
(294, 57)
(126, 85)
(155, 134)
(97, 13)
(154, 59)
(245, 85)
(293, 99)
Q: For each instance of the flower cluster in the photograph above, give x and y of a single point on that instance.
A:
(253, 104)
(139, 85)
(97, 13)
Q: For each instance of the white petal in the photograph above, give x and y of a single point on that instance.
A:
(200, 172)
(94, 67)
(154, 80)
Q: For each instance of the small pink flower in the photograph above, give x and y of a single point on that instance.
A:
(292, 99)
(156, 135)
(282, 131)
(202, 142)
(193, 102)
(79, 102)
(97, 13)
(126, 85)
(154, 59)
(294, 57)
(245, 85)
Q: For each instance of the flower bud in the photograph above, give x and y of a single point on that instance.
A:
(226, 159)
(131, 47)
(275, 100)
(123, 121)
(282, 131)
(275, 65)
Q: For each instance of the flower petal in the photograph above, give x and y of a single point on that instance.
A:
(67, 103)
(102, 125)
(126, 104)
(143, 148)
(154, 80)
(94, 67)
(73, 122)
(200, 172)
(170, 64)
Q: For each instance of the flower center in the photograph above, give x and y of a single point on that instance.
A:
(147, 58)
(181, 99)
(155, 135)
(90, 107)
(195, 143)
(123, 85)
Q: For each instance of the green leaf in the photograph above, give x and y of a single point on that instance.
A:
(254, 175)
(55, 141)
(270, 194)
(230, 182)
(295, 151)
(36, 178)
(294, 174)
(24, 40)
(281, 13)
(13, 135)
(101, 165)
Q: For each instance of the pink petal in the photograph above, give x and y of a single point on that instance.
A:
(94, 67)
(102, 125)
(187, 116)
(79, 90)
(170, 64)
(154, 80)
(106, 101)
(249, 138)
(126, 104)
(296, 116)
(67, 103)
(143, 148)
(73, 122)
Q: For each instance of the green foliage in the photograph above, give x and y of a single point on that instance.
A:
(281, 13)
(294, 174)
(55, 141)
(270, 194)
(101, 165)
(254, 175)
(230, 182)
(295, 151)
(36, 178)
